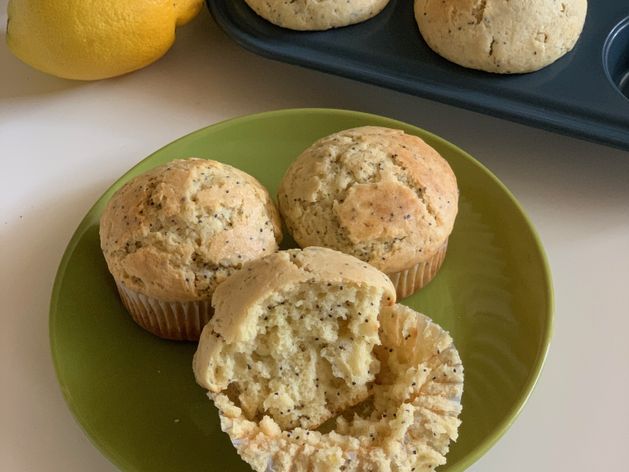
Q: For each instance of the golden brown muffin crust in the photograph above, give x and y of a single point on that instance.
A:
(177, 231)
(376, 193)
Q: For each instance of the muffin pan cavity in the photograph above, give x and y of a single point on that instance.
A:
(616, 57)
(576, 95)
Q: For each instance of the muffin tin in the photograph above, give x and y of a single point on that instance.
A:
(584, 94)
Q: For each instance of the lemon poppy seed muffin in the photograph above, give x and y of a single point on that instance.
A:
(407, 423)
(293, 336)
(308, 15)
(501, 36)
(171, 235)
(381, 195)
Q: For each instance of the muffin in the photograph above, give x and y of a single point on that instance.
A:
(293, 336)
(407, 423)
(501, 36)
(381, 195)
(172, 235)
(306, 15)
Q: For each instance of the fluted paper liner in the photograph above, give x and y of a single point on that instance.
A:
(409, 281)
(180, 321)
(414, 413)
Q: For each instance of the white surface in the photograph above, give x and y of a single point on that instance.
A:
(63, 143)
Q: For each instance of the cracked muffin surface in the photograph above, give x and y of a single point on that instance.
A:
(376, 193)
(177, 231)
(501, 36)
(308, 15)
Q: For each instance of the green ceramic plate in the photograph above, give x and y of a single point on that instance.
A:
(135, 395)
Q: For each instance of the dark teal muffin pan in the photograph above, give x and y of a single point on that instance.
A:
(584, 94)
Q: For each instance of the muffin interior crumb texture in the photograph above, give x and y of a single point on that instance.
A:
(179, 230)
(406, 424)
(501, 36)
(311, 354)
(306, 15)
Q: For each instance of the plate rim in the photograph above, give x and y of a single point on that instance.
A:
(482, 447)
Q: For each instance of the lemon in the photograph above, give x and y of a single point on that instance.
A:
(94, 39)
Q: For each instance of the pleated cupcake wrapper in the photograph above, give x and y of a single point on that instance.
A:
(432, 409)
(409, 281)
(180, 321)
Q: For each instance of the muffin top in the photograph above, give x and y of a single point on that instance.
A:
(318, 15)
(376, 193)
(177, 231)
(235, 300)
(501, 36)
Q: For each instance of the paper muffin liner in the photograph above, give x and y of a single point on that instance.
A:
(179, 321)
(409, 281)
(415, 407)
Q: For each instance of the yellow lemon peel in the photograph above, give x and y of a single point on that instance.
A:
(94, 39)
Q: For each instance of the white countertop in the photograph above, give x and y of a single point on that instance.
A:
(63, 143)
